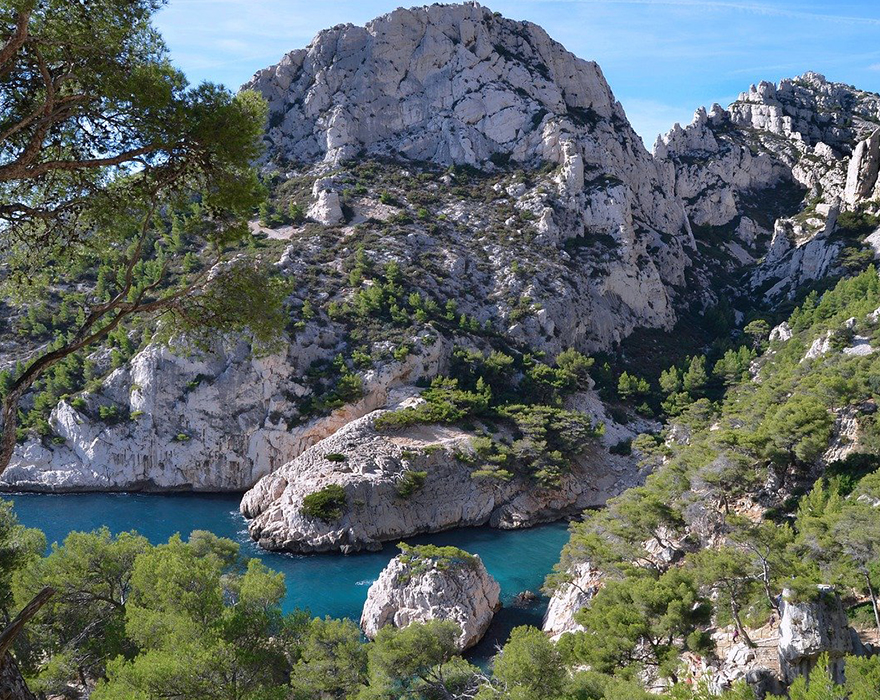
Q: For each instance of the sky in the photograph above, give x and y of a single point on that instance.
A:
(662, 58)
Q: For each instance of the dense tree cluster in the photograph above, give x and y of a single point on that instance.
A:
(544, 438)
(690, 534)
(196, 620)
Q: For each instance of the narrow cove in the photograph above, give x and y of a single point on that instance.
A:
(325, 584)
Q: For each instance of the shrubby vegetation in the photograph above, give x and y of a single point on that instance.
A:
(96, 251)
(676, 551)
(195, 619)
(544, 438)
(420, 558)
(327, 504)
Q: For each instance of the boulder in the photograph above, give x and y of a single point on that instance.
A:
(433, 583)
(326, 207)
(781, 333)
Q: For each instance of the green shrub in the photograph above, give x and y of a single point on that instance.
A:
(335, 457)
(411, 482)
(349, 387)
(420, 558)
(444, 403)
(326, 504)
(182, 437)
(79, 403)
(624, 447)
(389, 199)
(402, 352)
(857, 223)
(110, 414)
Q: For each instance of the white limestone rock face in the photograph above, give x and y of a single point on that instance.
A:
(781, 333)
(569, 598)
(418, 588)
(198, 422)
(864, 165)
(429, 83)
(326, 209)
(456, 84)
(786, 159)
(372, 467)
(812, 628)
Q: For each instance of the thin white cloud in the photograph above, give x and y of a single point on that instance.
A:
(874, 67)
(753, 8)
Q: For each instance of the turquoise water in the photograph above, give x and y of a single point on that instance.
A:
(324, 584)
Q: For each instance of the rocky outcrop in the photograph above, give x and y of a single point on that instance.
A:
(408, 482)
(861, 175)
(457, 84)
(433, 583)
(199, 421)
(738, 664)
(325, 208)
(568, 598)
(766, 178)
(781, 333)
(812, 628)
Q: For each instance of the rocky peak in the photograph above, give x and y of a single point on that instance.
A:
(809, 109)
(770, 174)
(445, 83)
(459, 84)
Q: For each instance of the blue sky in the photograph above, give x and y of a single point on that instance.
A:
(662, 58)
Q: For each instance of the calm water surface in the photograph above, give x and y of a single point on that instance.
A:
(325, 584)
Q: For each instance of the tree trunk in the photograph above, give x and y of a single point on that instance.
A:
(873, 600)
(734, 609)
(12, 685)
(10, 426)
(765, 579)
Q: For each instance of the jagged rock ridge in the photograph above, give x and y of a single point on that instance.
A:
(771, 174)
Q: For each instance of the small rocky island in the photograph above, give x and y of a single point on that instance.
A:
(427, 582)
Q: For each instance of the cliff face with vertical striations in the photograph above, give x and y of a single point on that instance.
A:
(765, 180)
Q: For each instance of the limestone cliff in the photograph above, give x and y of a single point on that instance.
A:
(764, 180)
(568, 598)
(561, 232)
(457, 84)
(811, 628)
(551, 227)
(385, 500)
(199, 421)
